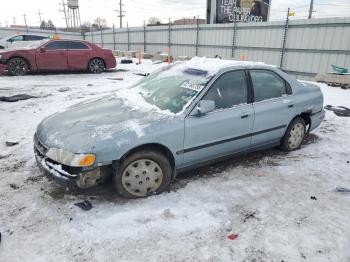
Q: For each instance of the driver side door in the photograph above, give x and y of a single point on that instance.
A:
(52, 56)
(227, 129)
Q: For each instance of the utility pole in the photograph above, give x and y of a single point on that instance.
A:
(39, 13)
(311, 8)
(14, 20)
(63, 4)
(25, 21)
(121, 13)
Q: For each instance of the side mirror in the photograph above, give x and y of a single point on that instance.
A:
(42, 49)
(204, 107)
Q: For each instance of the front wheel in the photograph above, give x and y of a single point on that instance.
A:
(96, 66)
(143, 174)
(294, 135)
(17, 66)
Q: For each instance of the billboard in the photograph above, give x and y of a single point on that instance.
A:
(229, 11)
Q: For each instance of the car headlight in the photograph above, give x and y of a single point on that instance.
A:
(70, 159)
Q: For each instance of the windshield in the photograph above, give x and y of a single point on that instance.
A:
(172, 88)
(38, 43)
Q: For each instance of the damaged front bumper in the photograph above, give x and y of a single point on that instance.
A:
(65, 175)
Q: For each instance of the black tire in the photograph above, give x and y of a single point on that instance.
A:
(294, 135)
(1, 47)
(17, 66)
(145, 155)
(96, 66)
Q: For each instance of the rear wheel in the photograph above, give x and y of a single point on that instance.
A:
(143, 174)
(17, 66)
(96, 66)
(294, 135)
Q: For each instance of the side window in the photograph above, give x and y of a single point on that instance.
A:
(33, 37)
(77, 45)
(229, 90)
(56, 45)
(267, 85)
(16, 38)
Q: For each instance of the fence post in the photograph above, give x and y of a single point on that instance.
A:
(113, 37)
(127, 28)
(83, 35)
(169, 34)
(92, 36)
(234, 38)
(197, 36)
(144, 37)
(284, 39)
(101, 37)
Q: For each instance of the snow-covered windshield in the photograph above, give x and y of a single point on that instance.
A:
(38, 43)
(173, 87)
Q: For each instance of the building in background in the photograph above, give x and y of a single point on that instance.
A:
(189, 21)
(229, 11)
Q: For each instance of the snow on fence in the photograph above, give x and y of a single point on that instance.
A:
(301, 47)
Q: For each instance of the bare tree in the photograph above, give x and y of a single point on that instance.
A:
(100, 23)
(154, 20)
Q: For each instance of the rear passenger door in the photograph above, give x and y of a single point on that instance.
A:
(79, 55)
(273, 106)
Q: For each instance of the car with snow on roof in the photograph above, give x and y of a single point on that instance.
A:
(185, 115)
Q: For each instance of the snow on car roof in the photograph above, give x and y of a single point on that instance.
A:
(214, 65)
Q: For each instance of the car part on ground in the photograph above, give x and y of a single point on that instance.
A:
(16, 98)
(341, 111)
(143, 174)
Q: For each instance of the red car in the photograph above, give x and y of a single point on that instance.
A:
(57, 55)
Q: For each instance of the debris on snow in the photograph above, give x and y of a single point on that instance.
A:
(84, 205)
(64, 89)
(126, 61)
(342, 189)
(232, 236)
(8, 143)
(313, 198)
(13, 186)
(16, 98)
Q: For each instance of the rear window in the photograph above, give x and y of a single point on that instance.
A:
(77, 45)
(33, 37)
(56, 45)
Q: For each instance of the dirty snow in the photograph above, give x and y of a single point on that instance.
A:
(264, 197)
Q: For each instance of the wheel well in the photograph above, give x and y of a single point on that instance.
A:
(155, 147)
(30, 66)
(98, 58)
(1, 47)
(306, 116)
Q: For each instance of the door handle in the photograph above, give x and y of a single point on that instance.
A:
(290, 106)
(244, 116)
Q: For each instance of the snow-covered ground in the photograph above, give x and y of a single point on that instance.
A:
(264, 197)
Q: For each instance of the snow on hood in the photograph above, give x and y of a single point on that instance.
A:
(84, 126)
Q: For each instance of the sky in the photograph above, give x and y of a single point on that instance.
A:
(139, 10)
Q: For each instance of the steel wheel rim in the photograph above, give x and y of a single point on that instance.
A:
(96, 66)
(296, 135)
(142, 177)
(17, 67)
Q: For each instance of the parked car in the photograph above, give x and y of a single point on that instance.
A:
(21, 40)
(184, 116)
(57, 55)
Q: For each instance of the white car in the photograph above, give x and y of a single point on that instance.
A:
(21, 40)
